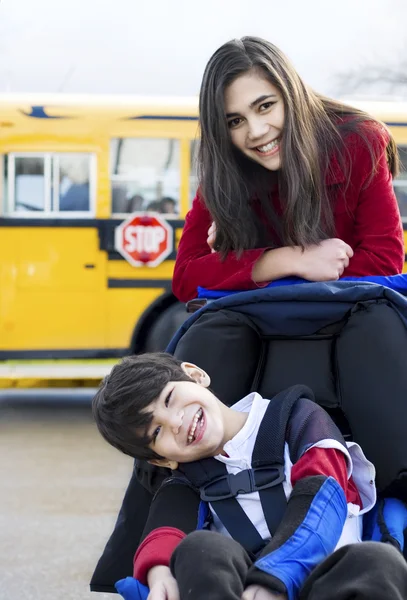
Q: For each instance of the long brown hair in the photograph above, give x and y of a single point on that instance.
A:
(314, 129)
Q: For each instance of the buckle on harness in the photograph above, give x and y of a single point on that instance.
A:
(245, 482)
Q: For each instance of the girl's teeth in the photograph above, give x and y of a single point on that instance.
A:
(268, 147)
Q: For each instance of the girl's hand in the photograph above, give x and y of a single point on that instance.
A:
(256, 592)
(211, 236)
(325, 261)
(163, 585)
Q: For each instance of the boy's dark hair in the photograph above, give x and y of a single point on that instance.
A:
(119, 406)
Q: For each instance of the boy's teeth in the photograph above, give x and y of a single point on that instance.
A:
(268, 147)
(194, 424)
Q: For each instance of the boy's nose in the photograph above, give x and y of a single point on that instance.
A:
(176, 422)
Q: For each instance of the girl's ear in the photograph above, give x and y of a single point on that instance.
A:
(163, 462)
(198, 375)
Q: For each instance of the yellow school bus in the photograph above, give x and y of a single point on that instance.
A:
(72, 169)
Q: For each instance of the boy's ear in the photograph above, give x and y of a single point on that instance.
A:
(198, 375)
(163, 462)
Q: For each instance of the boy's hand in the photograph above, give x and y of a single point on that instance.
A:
(167, 589)
(163, 585)
(256, 592)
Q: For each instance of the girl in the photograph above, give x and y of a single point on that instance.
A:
(291, 183)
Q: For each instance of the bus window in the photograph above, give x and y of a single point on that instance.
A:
(145, 175)
(27, 185)
(400, 184)
(72, 182)
(193, 171)
(48, 183)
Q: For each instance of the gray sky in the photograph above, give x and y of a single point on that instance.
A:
(161, 46)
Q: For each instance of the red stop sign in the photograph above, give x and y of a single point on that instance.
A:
(144, 240)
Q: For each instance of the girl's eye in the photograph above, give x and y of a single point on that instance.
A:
(168, 398)
(156, 432)
(266, 105)
(234, 122)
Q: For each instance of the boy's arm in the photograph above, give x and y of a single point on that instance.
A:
(173, 514)
(317, 508)
(309, 532)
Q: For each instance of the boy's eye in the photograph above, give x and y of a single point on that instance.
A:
(168, 399)
(156, 432)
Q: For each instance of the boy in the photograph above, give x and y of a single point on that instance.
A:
(158, 408)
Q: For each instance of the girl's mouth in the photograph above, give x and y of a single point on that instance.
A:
(196, 428)
(269, 149)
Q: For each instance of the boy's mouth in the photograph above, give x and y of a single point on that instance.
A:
(192, 428)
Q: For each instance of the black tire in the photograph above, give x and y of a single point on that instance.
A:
(164, 327)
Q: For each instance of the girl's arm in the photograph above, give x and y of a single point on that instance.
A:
(197, 265)
(378, 242)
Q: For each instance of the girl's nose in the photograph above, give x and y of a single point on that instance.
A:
(257, 129)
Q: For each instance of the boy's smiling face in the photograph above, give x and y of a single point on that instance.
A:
(189, 422)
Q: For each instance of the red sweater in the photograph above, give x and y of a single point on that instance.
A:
(157, 547)
(367, 218)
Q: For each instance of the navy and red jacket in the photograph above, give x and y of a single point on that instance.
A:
(321, 486)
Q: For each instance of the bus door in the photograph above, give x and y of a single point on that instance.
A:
(57, 274)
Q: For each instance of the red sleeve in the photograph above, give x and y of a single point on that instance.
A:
(156, 549)
(329, 462)
(378, 242)
(375, 234)
(197, 266)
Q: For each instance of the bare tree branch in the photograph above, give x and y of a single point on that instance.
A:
(374, 79)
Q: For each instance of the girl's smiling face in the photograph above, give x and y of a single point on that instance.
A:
(255, 114)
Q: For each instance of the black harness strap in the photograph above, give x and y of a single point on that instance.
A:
(220, 488)
(269, 450)
(238, 524)
(266, 476)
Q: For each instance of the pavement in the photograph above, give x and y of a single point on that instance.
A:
(61, 489)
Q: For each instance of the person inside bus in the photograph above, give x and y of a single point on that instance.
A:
(135, 203)
(76, 198)
(119, 199)
(154, 206)
(291, 183)
(168, 205)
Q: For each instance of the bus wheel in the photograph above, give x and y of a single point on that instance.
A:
(164, 327)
